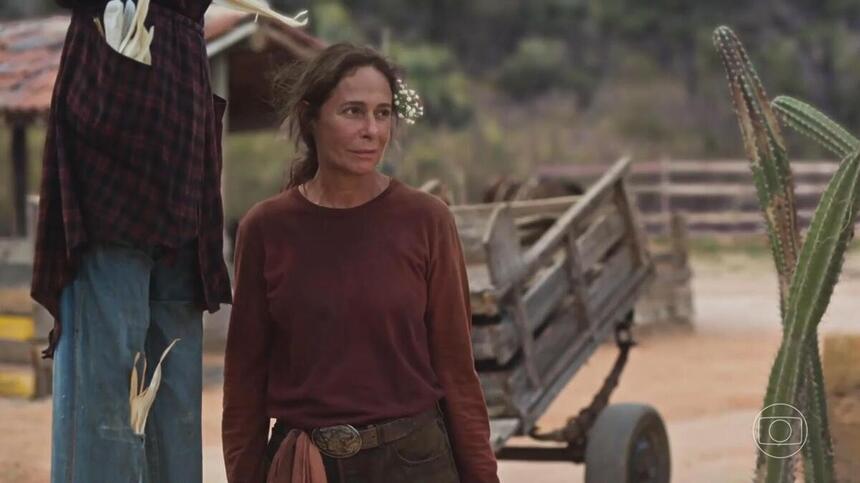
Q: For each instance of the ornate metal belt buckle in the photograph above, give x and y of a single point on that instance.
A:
(340, 441)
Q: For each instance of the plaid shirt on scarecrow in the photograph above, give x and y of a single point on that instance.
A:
(133, 152)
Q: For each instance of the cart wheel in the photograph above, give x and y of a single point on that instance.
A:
(627, 444)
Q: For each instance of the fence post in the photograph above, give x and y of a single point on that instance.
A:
(665, 181)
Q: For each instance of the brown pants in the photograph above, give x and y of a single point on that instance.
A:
(423, 456)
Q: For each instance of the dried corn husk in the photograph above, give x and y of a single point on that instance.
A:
(139, 399)
(260, 7)
(136, 43)
(128, 20)
(113, 23)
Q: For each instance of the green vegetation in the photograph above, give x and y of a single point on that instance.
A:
(807, 269)
(509, 85)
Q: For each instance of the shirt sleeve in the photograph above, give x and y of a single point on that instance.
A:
(449, 323)
(245, 423)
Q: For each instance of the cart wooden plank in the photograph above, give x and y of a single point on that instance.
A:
(472, 220)
(500, 342)
(501, 429)
(549, 281)
(501, 242)
(590, 201)
(561, 349)
(575, 357)
(592, 244)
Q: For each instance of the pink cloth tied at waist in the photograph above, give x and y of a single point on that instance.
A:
(297, 460)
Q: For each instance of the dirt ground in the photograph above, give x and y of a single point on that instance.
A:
(707, 384)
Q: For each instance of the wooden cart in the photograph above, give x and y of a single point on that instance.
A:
(550, 281)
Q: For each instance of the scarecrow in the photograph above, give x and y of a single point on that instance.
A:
(129, 238)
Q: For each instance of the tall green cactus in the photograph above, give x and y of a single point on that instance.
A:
(818, 268)
(765, 148)
(806, 278)
(820, 128)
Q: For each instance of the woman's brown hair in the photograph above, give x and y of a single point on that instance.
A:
(301, 88)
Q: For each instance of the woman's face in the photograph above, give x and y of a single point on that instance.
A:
(354, 124)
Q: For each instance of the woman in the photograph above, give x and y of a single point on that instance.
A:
(351, 317)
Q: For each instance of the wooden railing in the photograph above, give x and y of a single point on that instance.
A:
(717, 196)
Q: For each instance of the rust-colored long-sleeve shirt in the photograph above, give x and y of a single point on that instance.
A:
(353, 316)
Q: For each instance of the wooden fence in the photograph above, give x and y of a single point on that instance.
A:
(717, 196)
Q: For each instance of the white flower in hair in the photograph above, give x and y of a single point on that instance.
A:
(407, 103)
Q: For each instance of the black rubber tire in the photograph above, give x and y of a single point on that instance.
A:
(628, 444)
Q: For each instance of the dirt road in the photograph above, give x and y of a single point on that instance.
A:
(707, 384)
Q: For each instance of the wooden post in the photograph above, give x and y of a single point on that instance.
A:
(637, 240)
(32, 218)
(19, 177)
(506, 270)
(679, 239)
(665, 203)
(521, 320)
(578, 284)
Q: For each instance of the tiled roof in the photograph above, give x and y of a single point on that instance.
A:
(29, 58)
(30, 54)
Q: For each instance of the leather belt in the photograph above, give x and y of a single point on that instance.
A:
(344, 440)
